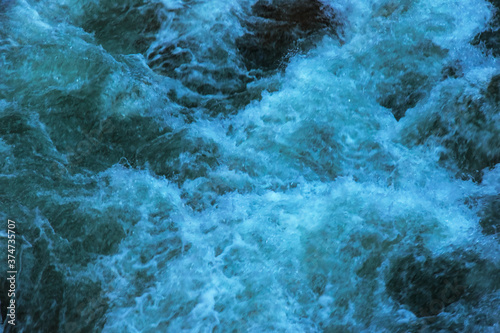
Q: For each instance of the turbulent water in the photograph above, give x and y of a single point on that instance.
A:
(251, 166)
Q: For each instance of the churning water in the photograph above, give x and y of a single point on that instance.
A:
(251, 166)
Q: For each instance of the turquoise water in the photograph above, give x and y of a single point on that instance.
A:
(245, 166)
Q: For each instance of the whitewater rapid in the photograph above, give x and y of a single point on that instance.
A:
(252, 166)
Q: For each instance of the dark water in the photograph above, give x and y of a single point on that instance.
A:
(251, 166)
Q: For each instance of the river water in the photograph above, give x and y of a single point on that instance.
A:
(252, 166)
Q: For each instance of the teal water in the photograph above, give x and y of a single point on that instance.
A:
(241, 166)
